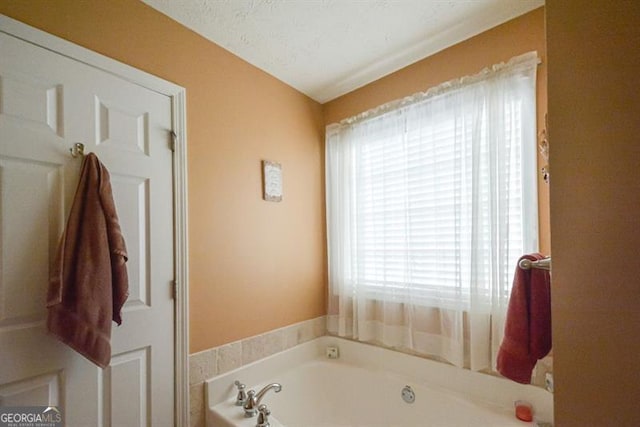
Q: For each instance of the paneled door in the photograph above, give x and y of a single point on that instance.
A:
(48, 102)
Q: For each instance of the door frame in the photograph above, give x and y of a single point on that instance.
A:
(177, 94)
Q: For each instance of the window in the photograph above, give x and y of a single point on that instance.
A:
(433, 199)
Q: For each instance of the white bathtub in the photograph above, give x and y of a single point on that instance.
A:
(363, 388)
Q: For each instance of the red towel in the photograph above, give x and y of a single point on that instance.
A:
(88, 284)
(527, 332)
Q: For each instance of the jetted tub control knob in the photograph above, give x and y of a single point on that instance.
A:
(408, 394)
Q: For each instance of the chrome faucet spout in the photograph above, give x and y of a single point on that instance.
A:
(275, 386)
(253, 399)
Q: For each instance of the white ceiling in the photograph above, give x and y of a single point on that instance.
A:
(326, 48)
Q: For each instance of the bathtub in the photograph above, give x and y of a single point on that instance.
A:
(363, 387)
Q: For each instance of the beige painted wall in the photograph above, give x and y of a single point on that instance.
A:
(518, 36)
(254, 265)
(594, 136)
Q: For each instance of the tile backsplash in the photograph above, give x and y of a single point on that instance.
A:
(218, 360)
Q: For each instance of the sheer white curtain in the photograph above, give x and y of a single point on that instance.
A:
(430, 202)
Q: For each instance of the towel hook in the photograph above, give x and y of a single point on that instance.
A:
(77, 150)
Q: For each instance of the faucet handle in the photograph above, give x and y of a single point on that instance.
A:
(263, 416)
(250, 404)
(242, 395)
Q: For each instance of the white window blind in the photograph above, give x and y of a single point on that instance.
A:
(433, 202)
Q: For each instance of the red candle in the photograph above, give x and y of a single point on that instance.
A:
(524, 411)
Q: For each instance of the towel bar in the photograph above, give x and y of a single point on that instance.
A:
(543, 264)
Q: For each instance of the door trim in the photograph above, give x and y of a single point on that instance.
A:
(177, 94)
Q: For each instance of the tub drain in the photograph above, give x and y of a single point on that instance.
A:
(408, 395)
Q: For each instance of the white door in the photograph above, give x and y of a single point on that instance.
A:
(47, 103)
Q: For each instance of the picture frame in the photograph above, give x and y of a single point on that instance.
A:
(271, 181)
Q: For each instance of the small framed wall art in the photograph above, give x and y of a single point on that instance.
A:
(271, 181)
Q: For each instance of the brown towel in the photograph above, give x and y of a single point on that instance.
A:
(88, 284)
(527, 332)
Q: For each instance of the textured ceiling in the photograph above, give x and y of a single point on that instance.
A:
(326, 48)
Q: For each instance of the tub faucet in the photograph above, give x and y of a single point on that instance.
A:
(253, 399)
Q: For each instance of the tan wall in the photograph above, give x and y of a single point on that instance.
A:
(499, 44)
(594, 131)
(255, 265)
